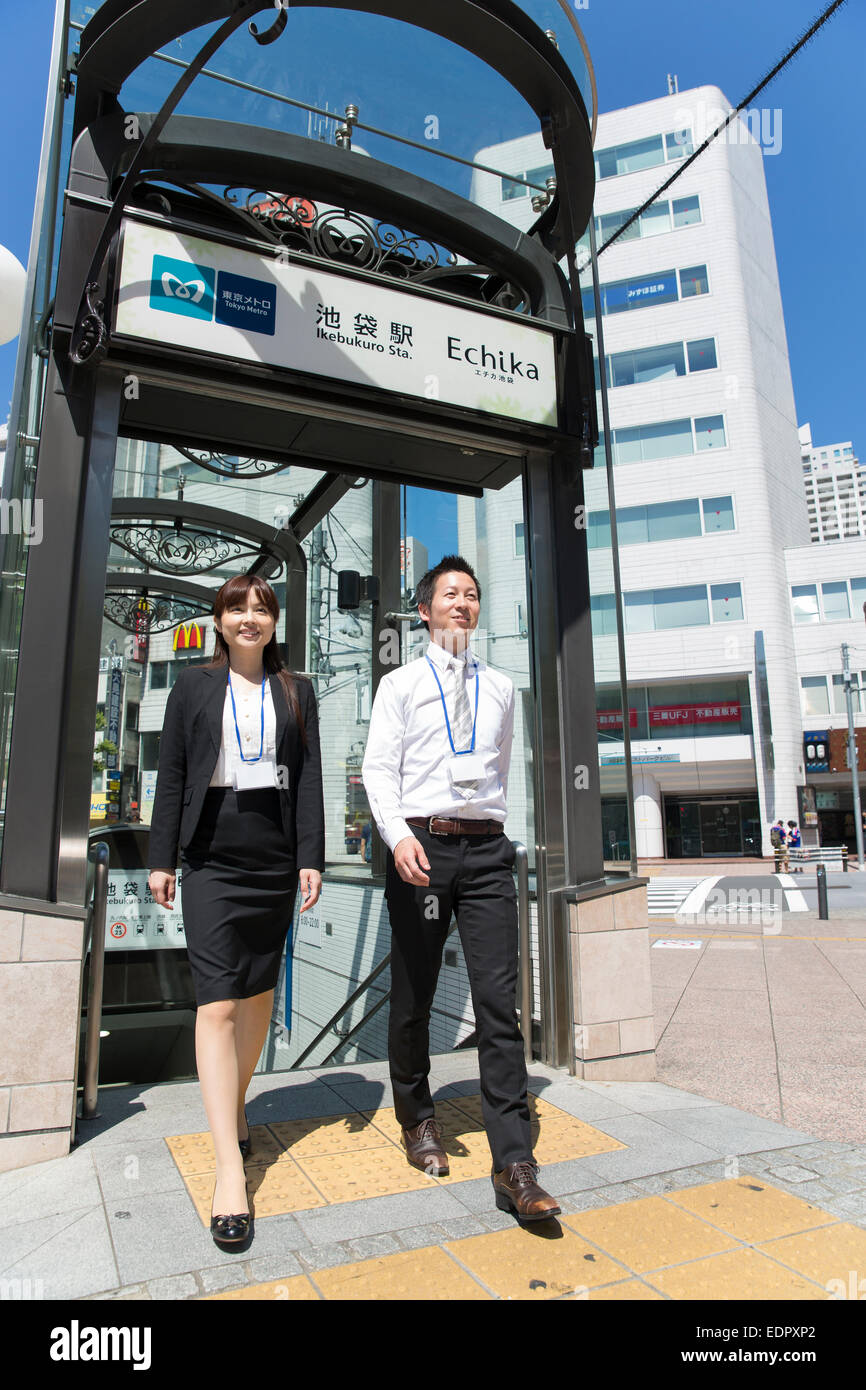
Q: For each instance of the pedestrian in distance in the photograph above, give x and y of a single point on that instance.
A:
(436, 772)
(778, 839)
(239, 793)
(792, 841)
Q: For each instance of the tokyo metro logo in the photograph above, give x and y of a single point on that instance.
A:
(182, 287)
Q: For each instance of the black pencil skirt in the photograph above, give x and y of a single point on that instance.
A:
(238, 888)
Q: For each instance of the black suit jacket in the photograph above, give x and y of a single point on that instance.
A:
(188, 753)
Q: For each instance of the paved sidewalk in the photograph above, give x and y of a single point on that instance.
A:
(665, 1194)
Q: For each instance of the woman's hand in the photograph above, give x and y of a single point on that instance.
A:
(310, 882)
(162, 886)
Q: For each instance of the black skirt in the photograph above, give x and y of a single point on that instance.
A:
(238, 889)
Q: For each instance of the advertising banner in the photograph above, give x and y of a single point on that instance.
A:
(727, 711)
(233, 303)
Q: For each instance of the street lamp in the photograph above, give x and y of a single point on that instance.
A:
(13, 278)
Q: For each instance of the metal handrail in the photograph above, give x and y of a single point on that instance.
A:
(98, 854)
(525, 990)
(524, 947)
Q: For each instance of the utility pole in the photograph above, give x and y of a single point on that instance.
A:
(852, 753)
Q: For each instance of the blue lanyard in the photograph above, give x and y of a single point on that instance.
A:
(258, 756)
(471, 749)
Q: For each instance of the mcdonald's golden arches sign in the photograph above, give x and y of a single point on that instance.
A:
(188, 637)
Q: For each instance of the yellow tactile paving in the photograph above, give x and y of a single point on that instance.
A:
(827, 1255)
(632, 1291)
(344, 1158)
(751, 1209)
(740, 1274)
(648, 1233)
(367, 1173)
(296, 1289)
(427, 1275)
(335, 1134)
(519, 1264)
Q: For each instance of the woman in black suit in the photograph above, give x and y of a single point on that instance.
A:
(239, 792)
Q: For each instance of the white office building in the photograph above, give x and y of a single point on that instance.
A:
(712, 517)
(835, 484)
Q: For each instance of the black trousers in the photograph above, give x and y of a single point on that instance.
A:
(470, 874)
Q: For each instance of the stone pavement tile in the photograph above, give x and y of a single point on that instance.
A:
(729, 1130)
(25, 1241)
(177, 1287)
(833, 1046)
(375, 1215)
(298, 1102)
(850, 1206)
(275, 1236)
(791, 1172)
(268, 1267)
(643, 1097)
(365, 1095)
(343, 1075)
(651, 1148)
(130, 1293)
(455, 1066)
(325, 1256)
(136, 1169)
(371, 1247)
(76, 1261)
(223, 1277)
(418, 1236)
(575, 1098)
(59, 1186)
(161, 1235)
(294, 1288)
(460, 1227)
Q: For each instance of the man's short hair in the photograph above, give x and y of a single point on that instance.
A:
(426, 586)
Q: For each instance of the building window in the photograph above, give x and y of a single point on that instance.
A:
(702, 354)
(727, 600)
(718, 514)
(519, 538)
(662, 521)
(805, 602)
(659, 363)
(602, 609)
(668, 439)
(815, 697)
(694, 281)
(710, 432)
(635, 155)
(840, 704)
(659, 217)
(159, 675)
(834, 597)
(511, 189)
(858, 596)
(686, 211)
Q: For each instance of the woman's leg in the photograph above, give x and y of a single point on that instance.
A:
(217, 1061)
(254, 1016)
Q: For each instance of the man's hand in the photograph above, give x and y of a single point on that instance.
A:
(162, 885)
(411, 862)
(310, 882)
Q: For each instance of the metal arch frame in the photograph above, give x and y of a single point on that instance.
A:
(123, 34)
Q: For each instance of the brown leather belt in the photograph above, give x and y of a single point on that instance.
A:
(441, 825)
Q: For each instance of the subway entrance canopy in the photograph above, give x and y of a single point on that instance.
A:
(303, 289)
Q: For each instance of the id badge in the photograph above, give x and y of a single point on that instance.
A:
(252, 776)
(466, 767)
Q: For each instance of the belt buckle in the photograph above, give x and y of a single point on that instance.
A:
(430, 831)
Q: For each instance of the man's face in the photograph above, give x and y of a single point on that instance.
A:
(454, 610)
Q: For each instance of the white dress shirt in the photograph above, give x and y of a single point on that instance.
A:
(249, 707)
(405, 768)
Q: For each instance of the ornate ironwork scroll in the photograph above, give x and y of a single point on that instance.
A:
(122, 608)
(226, 467)
(180, 550)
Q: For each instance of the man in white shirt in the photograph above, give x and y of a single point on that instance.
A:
(436, 772)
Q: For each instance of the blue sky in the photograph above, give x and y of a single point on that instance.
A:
(815, 183)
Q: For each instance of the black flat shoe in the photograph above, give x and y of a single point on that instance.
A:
(230, 1230)
(246, 1145)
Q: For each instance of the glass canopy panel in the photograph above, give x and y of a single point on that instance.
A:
(424, 104)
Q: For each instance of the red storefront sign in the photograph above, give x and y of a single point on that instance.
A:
(723, 712)
(612, 719)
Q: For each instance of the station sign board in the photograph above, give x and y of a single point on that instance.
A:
(223, 300)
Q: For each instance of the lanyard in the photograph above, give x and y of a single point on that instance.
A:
(258, 756)
(471, 749)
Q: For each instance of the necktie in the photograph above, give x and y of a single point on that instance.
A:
(461, 725)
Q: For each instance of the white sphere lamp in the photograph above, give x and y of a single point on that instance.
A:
(13, 278)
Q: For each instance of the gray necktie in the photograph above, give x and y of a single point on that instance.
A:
(461, 724)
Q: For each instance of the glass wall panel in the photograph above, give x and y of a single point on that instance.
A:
(815, 697)
(718, 513)
(683, 607)
(804, 598)
(702, 354)
(727, 602)
(667, 521)
(686, 211)
(834, 597)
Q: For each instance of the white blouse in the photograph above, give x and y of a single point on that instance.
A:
(249, 708)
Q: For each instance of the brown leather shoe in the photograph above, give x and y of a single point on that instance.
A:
(516, 1190)
(424, 1149)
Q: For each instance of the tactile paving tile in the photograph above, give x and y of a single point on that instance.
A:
(739, 1274)
(750, 1209)
(649, 1233)
(521, 1264)
(329, 1134)
(295, 1289)
(427, 1274)
(367, 1173)
(632, 1291)
(555, 1141)
(193, 1153)
(829, 1255)
(280, 1188)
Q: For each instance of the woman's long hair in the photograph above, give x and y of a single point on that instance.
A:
(235, 591)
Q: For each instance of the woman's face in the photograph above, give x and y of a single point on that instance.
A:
(246, 623)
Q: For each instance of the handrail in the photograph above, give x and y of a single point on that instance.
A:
(98, 854)
(524, 947)
(525, 992)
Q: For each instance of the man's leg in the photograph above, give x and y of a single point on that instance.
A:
(419, 925)
(486, 908)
